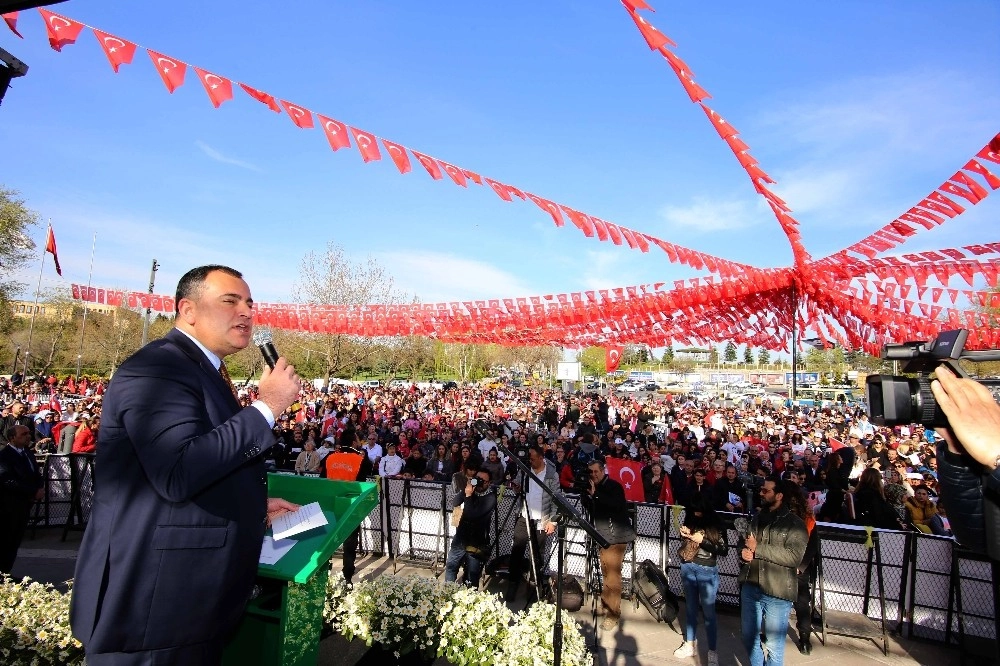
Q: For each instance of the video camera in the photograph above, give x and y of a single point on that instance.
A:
(896, 400)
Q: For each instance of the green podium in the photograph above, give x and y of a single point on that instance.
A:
(282, 625)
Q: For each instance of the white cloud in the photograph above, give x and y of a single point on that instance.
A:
(436, 277)
(712, 215)
(605, 269)
(224, 159)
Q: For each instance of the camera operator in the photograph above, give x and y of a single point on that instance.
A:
(969, 460)
(470, 545)
(605, 500)
(541, 518)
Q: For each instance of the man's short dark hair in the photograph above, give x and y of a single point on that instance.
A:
(537, 449)
(486, 471)
(192, 282)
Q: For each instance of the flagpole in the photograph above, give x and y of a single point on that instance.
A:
(38, 287)
(83, 328)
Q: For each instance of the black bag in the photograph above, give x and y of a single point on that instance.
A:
(653, 591)
(572, 593)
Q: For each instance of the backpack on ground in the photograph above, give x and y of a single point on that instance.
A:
(572, 593)
(653, 591)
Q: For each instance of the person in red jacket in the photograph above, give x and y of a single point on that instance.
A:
(85, 440)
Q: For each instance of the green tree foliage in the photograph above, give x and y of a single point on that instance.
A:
(763, 357)
(748, 355)
(592, 361)
(729, 354)
(16, 248)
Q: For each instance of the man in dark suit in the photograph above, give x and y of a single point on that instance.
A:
(170, 553)
(20, 487)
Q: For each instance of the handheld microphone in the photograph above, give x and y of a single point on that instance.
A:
(262, 338)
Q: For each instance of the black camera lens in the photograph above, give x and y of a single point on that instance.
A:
(474, 481)
(896, 400)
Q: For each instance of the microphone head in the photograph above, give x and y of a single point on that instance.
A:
(262, 335)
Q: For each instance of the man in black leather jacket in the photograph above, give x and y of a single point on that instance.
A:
(771, 553)
(969, 461)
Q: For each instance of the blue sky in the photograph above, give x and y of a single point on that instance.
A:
(857, 108)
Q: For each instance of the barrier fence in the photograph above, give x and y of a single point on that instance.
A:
(923, 585)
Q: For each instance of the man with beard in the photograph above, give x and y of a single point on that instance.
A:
(470, 545)
(769, 583)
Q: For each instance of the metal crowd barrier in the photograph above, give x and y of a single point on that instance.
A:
(924, 585)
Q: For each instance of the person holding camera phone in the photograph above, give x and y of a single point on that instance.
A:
(969, 460)
(470, 545)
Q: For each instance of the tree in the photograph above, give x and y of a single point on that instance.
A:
(763, 357)
(331, 278)
(729, 354)
(635, 354)
(748, 355)
(16, 248)
(592, 360)
(668, 356)
(713, 356)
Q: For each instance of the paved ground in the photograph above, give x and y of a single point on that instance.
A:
(639, 640)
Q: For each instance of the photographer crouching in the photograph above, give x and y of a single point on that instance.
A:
(605, 500)
(470, 545)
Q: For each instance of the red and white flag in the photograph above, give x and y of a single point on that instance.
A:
(61, 30)
(299, 115)
(50, 246)
(336, 132)
(836, 444)
(629, 474)
(10, 18)
(430, 164)
(171, 71)
(218, 88)
(262, 97)
(612, 358)
(119, 51)
(398, 155)
(367, 145)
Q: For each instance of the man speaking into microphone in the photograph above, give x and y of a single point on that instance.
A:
(169, 557)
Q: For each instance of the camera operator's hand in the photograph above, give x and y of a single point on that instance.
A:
(469, 488)
(550, 527)
(973, 414)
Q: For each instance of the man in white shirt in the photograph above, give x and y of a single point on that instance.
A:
(373, 449)
(487, 443)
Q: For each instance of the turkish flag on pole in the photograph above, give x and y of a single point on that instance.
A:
(62, 31)
(398, 155)
(336, 132)
(50, 246)
(612, 358)
(299, 115)
(171, 71)
(262, 97)
(367, 145)
(11, 19)
(629, 474)
(219, 89)
(119, 51)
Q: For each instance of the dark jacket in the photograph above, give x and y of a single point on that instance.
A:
(973, 501)
(871, 510)
(781, 546)
(474, 527)
(609, 511)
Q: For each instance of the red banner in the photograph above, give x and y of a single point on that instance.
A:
(612, 358)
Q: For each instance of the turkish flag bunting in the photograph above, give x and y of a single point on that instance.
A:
(262, 97)
(612, 358)
(336, 132)
(430, 164)
(629, 474)
(171, 71)
(499, 188)
(299, 115)
(119, 51)
(50, 247)
(219, 89)
(62, 31)
(11, 19)
(455, 174)
(367, 144)
(398, 155)
(654, 38)
(634, 5)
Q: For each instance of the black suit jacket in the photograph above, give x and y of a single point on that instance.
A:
(170, 553)
(19, 481)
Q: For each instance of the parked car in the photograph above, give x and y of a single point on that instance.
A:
(651, 386)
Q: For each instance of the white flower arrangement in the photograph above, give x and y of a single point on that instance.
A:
(474, 626)
(34, 625)
(529, 641)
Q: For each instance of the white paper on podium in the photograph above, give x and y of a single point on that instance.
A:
(271, 551)
(306, 518)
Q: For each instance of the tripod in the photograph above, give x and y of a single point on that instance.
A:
(594, 578)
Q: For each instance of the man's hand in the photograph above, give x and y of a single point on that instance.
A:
(746, 555)
(279, 387)
(751, 542)
(469, 488)
(973, 414)
(278, 507)
(550, 527)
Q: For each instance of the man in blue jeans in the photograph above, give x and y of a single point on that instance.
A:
(770, 554)
(471, 542)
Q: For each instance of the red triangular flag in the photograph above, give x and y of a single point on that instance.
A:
(398, 155)
(171, 71)
(336, 132)
(654, 38)
(299, 115)
(455, 174)
(549, 208)
(367, 145)
(262, 97)
(612, 358)
(499, 188)
(61, 30)
(835, 444)
(11, 19)
(430, 164)
(219, 89)
(119, 51)
(50, 246)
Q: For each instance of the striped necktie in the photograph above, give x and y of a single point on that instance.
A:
(225, 375)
